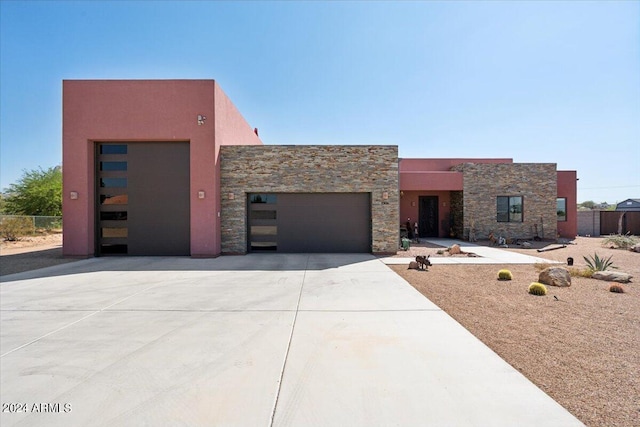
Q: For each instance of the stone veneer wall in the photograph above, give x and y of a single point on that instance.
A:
(457, 214)
(309, 169)
(535, 182)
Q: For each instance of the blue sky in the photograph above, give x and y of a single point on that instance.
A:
(534, 81)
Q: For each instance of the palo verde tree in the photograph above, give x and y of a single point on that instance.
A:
(37, 192)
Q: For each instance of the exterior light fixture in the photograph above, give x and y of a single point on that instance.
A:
(231, 196)
(201, 119)
(200, 194)
(385, 196)
(73, 195)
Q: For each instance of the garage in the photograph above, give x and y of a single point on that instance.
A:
(310, 222)
(142, 198)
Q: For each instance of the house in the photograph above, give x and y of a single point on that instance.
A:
(170, 167)
(629, 205)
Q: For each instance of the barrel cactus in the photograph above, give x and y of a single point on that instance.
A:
(618, 289)
(537, 289)
(504, 275)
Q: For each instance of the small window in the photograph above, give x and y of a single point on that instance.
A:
(263, 215)
(113, 166)
(509, 209)
(114, 232)
(113, 149)
(119, 199)
(113, 216)
(561, 208)
(113, 182)
(269, 199)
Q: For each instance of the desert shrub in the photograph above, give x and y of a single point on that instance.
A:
(504, 275)
(616, 288)
(440, 252)
(537, 289)
(12, 229)
(621, 241)
(580, 272)
(596, 263)
(539, 266)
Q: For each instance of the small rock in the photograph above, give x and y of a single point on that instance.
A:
(413, 265)
(526, 245)
(635, 248)
(555, 276)
(612, 276)
(455, 250)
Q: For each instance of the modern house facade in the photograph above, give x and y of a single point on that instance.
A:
(170, 167)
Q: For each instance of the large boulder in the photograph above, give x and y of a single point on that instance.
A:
(555, 276)
(612, 276)
(455, 249)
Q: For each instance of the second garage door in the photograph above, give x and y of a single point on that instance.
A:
(316, 222)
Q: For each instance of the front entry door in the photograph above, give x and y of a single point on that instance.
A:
(428, 212)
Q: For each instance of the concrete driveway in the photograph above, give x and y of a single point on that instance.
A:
(257, 340)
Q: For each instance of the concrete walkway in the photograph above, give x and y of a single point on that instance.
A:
(486, 255)
(257, 340)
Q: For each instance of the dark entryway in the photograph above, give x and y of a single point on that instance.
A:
(310, 222)
(428, 214)
(142, 198)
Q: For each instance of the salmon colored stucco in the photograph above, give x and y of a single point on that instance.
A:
(567, 188)
(146, 110)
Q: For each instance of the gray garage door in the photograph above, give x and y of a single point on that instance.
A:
(293, 223)
(143, 198)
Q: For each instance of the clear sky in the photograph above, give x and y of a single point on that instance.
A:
(534, 81)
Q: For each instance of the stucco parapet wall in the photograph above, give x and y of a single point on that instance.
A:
(310, 169)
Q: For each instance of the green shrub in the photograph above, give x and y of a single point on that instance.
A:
(537, 289)
(504, 275)
(596, 263)
(12, 229)
(625, 241)
(616, 288)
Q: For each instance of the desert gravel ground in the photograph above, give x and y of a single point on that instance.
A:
(30, 253)
(582, 349)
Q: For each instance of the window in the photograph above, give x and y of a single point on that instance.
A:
(113, 149)
(561, 208)
(509, 209)
(263, 198)
(113, 166)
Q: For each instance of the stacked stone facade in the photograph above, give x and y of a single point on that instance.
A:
(535, 182)
(309, 169)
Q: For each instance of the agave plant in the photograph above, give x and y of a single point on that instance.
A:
(596, 263)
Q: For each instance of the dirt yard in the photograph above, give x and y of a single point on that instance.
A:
(30, 253)
(583, 349)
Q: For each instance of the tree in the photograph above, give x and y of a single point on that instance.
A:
(37, 192)
(589, 204)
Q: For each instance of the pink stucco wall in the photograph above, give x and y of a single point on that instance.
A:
(567, 187)
(144, 110)
(409, 208)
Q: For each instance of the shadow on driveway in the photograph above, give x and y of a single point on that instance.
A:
(50, 263)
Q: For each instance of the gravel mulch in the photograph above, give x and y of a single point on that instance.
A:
(583, 348)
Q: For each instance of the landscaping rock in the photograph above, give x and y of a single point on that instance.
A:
(455, 250)
(413, 265)
(635, 248)
(555, 276)
(612, 276)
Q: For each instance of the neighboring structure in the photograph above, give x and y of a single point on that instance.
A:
(171, 168)
(629, 205)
